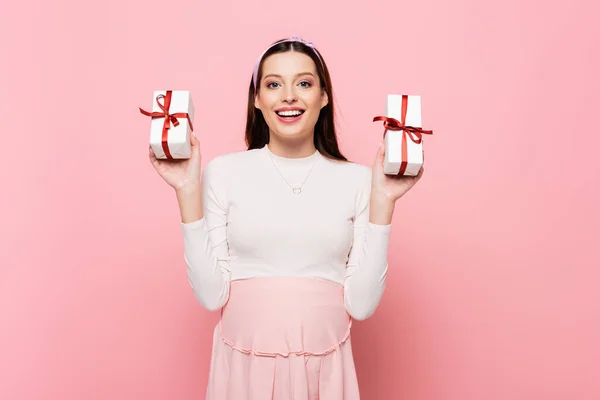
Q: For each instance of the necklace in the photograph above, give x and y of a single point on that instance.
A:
(295, 189)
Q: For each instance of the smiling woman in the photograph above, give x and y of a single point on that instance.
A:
(287, 239)
(290, 97)
(290, 102)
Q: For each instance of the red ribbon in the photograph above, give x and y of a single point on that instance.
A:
(169, 119)
(414, 133)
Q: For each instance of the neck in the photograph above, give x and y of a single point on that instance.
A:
(292, 149)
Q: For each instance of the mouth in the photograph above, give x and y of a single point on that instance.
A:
(289, 115)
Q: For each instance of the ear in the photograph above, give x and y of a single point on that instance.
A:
(324, 98)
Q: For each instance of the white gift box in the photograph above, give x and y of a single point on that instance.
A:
(394, 139)
(178, 137)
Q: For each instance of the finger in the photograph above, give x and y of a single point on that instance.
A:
(151, 154)
(193, 141)
(195, 145)
(420, 174)
(380, 153)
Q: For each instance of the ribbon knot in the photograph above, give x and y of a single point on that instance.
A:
(415, 133)
(392, 124)
(169, 119)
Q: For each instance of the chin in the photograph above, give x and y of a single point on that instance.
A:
(293, 129)
(290, 135)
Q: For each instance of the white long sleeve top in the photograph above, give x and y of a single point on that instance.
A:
(253, 225)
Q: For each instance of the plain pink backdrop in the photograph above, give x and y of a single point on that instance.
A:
(494, 265)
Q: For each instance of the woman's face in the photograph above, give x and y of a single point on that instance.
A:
(290, 96)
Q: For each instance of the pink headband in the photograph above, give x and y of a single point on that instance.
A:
(293, 39)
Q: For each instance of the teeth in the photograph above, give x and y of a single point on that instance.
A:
(289, 113)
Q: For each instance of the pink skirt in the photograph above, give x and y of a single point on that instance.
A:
(283, 338)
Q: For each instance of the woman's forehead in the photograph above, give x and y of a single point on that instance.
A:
(288, 63)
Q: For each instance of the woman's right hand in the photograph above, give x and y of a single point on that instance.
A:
(179, 174)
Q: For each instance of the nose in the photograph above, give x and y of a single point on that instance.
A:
(288, 95)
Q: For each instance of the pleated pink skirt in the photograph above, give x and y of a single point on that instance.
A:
(283, 338)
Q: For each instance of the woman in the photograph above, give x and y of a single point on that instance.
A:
(288, 239)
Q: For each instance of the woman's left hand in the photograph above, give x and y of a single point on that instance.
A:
(391, 187)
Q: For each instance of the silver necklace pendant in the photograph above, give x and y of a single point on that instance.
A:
(295, 189)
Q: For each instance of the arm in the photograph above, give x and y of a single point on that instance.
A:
(366, 269)
(203, 223)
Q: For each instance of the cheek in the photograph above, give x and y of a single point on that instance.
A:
(313, 100)
(267, 100)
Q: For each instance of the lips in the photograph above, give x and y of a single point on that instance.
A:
(289, 112)
(289, 115)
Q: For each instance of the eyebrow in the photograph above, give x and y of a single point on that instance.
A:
(297, 75)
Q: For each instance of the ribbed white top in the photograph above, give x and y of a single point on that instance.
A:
(255, 226)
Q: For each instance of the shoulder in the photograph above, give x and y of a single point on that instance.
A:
(228, 163)
(352, 173)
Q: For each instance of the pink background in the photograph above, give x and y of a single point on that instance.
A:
(493, 283)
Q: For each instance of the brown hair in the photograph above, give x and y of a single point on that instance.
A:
(325, 138)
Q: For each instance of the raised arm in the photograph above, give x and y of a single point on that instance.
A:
(367, 265)
(203, 210)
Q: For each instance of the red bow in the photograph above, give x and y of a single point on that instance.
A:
(415, 133)
(392, 124)
(169, 119)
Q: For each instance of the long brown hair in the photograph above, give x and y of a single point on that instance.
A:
(325, 138)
